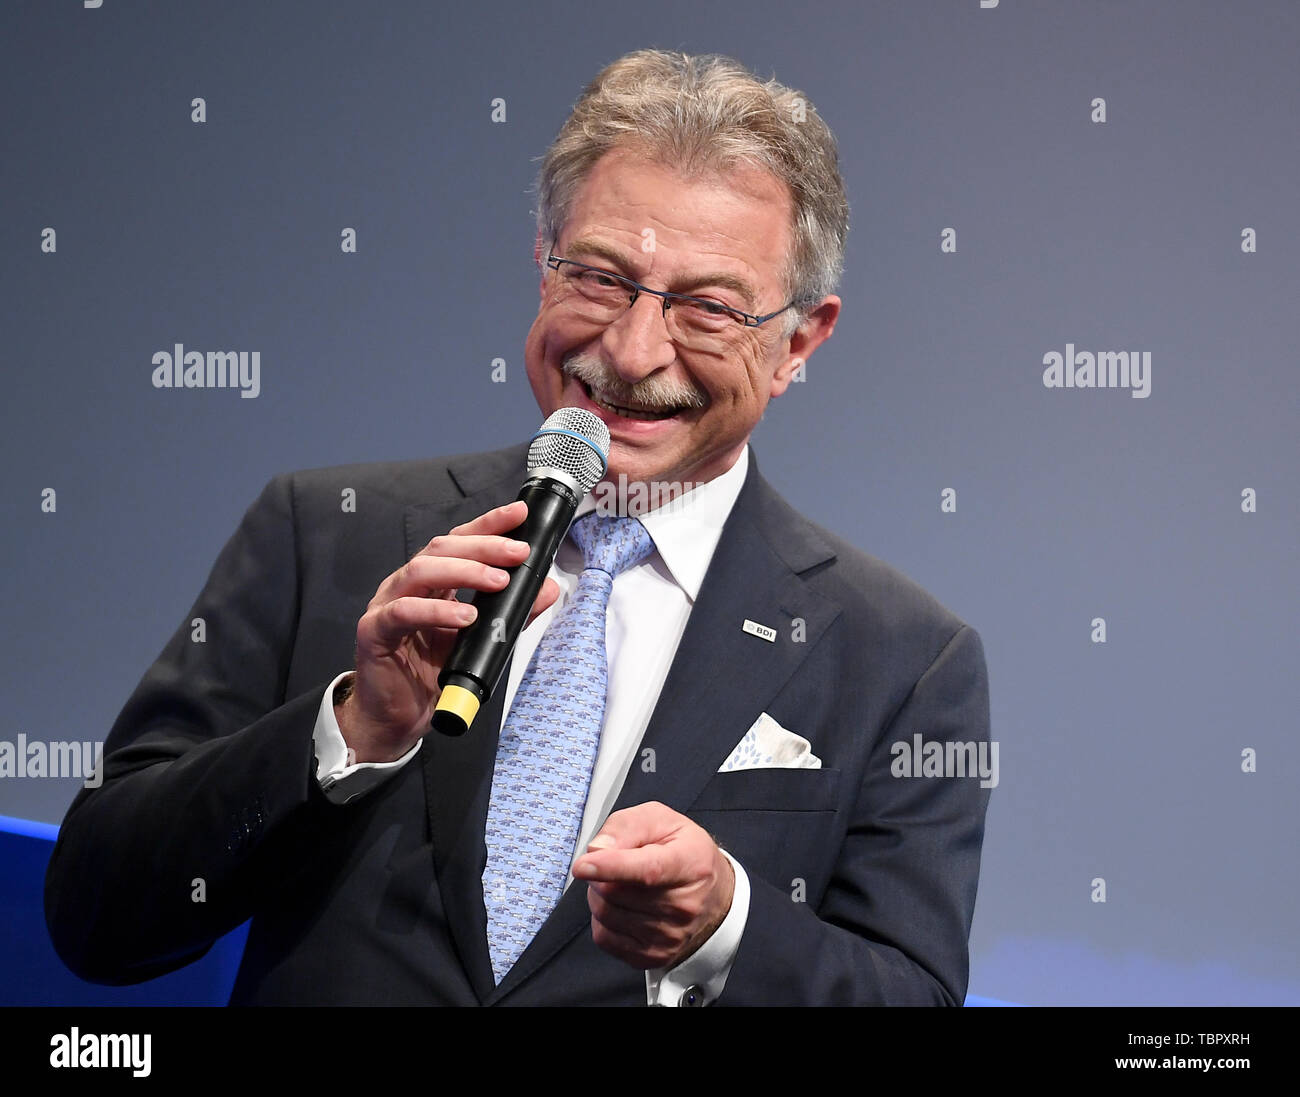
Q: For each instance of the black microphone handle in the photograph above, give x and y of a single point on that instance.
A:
(482, 649)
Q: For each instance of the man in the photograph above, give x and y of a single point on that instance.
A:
(733, 827)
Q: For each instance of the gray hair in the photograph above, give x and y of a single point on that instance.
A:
(708, 112)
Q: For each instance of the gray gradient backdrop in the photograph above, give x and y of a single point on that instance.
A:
(1120, 760)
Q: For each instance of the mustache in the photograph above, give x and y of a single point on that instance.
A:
(651, 394)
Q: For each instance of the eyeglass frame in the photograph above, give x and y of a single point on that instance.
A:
(749, 320)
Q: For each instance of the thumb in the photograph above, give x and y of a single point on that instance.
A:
(634, 827)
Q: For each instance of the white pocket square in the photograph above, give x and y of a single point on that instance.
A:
(767, 745)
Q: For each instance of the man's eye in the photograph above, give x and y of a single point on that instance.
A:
(599, 279)
(703, 306)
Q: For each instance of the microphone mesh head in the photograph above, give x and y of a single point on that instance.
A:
(573, 441)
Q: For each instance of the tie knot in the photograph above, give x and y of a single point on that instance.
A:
(611, 545)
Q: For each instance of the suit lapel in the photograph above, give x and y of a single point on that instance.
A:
(458, 784)
(458, 771)
(721, 678)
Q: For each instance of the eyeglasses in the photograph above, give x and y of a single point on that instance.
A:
(602, 295)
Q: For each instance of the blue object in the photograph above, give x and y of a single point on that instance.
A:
(33, 973)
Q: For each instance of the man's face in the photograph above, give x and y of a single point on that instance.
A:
(719, 237)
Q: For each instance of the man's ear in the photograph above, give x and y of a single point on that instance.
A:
(807, 337)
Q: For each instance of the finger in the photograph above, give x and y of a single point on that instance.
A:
(653, 866)
(546, 598)
(630, 948)
(640, 825)
(433, 576)
(645, 932)
(500, 520)
(667, 905)
(622, 948)
(489, 548)
(385, 627)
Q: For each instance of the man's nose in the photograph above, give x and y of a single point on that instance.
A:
(638, 344)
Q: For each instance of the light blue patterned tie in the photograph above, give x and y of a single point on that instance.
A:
(548, 747)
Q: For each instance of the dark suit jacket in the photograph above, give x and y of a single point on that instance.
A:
(863, 884)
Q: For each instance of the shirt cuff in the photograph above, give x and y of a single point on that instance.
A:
(698, 980)
(341, 779)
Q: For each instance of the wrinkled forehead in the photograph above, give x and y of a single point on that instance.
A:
(645, 199)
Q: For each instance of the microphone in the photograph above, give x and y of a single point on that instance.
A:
(567, 457)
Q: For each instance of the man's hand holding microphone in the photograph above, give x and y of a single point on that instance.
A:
(659, 884)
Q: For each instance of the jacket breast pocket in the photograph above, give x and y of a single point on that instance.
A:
(770, 790)
(780, 824)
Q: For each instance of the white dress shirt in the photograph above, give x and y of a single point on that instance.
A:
(649, 606)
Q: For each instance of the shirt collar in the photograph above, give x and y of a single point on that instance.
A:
(686, 529)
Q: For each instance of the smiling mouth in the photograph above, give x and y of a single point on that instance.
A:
(652, 414)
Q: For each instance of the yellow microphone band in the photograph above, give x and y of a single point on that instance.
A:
(459, 702)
